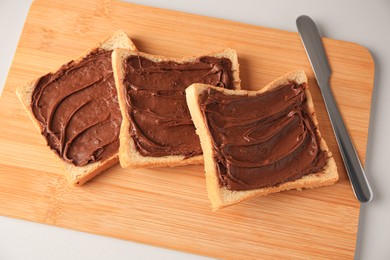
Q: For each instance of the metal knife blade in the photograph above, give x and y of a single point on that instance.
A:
(315, 50)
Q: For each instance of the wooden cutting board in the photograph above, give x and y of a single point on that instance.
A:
(168, 207)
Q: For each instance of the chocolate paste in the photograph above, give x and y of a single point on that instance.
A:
(263, 140)
(77, 108)
(161, 124)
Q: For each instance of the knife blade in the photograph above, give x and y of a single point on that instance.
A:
(312, 42)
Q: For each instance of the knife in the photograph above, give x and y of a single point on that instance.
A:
(315, 51)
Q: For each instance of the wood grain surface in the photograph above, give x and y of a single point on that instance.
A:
(168, 207)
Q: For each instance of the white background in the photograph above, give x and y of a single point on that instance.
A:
(363, 22)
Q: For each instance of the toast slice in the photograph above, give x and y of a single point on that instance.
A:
(76, 174)
(219, 194)
(157, 115)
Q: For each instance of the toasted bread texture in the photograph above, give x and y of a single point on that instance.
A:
(220, 196)
(78, 175)
(128, 154)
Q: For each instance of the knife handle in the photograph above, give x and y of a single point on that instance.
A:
(354, 168)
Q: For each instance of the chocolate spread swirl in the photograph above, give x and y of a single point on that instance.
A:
(161, 124)
(263, 140)
(77, 108)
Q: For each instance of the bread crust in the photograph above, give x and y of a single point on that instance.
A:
(78, 175)
(221, 197)
(129, 156)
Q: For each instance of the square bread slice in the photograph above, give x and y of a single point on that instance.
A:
(219, 195)
(77, 175)
(129, 155)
